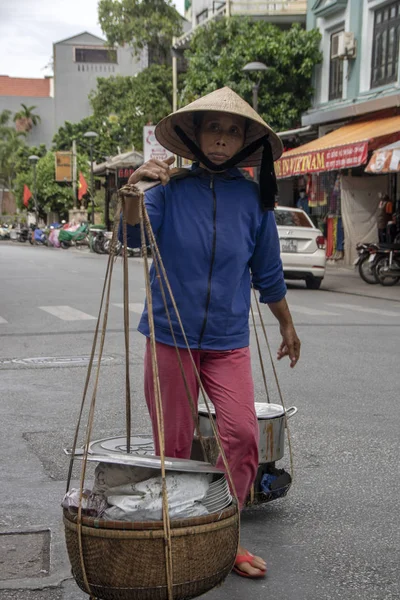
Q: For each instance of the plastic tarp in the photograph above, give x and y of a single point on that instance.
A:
(66, 235)
(359, 211)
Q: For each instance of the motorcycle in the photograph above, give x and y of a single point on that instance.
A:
(387, 266)
(99, 242)
(78, 238)
(4, 232)
(364, 263)
(38, 236)
(23, 234)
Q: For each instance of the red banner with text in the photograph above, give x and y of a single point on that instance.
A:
(328, 159)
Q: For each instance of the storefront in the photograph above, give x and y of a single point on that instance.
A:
(342, 198)
(116, 172)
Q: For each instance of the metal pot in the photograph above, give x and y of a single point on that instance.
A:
(271, 423)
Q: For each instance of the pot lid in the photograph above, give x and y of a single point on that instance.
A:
(113, 450)
(264, 410)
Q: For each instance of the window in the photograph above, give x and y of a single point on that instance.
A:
(292, 218)
(335, 70)
(385, 50)
(95, 55)
(202, 16)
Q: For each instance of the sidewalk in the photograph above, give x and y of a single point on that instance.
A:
(346, 280)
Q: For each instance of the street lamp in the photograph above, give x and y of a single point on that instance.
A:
(91, 136)
(33, 159)
(255, 67)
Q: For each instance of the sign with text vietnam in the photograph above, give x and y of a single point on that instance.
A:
(328, 159)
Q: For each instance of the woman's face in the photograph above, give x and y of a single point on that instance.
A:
(221, 136)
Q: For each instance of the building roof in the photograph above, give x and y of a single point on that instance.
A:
(78, 35)
(22, 86)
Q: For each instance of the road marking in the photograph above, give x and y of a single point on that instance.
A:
(3, 320)
(313, 312)
(67, 313)
(375, 311)
(136, 307)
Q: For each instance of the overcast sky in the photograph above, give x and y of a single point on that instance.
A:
(28, 29)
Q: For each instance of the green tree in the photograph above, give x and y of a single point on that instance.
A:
(219, 50)
(4, 119)
(25, 119)
(52, 196)
(141, 23)
(121, 107)
(126, 104)
(12, 143)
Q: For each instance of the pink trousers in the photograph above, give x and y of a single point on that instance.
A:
(227, 379)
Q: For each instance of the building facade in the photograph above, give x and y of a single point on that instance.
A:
(367, 79)
(78, 62)
(355, 111)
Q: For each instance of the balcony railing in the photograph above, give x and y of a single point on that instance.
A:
(292, 9)
(269, 7)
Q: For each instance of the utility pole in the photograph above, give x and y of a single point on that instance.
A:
(33, 160)
(74, 172)
(91, 136)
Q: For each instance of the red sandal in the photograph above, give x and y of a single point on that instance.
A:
(246, 558)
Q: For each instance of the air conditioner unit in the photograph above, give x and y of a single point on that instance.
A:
(343, 45)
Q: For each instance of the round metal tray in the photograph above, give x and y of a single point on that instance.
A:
(113, 450)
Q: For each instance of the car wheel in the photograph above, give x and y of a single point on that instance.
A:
(313, 283)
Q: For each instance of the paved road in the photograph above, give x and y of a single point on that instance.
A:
(335, 536)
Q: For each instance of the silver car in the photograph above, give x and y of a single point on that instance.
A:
(302, 246)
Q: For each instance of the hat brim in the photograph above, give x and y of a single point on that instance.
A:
(234, 105)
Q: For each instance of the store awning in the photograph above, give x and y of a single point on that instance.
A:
(344, 148)
(124, 162)
(385, 160)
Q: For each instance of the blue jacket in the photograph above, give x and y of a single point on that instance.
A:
(215, 241)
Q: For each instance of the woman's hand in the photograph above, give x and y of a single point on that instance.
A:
(290, 345)
(153, 169)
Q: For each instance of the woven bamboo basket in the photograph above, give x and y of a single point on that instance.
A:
(126, 561)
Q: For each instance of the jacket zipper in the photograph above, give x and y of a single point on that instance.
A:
(214, 244)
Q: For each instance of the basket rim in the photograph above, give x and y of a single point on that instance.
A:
(96, 523)
(151, 534)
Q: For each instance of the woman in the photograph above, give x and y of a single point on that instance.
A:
(217, 235)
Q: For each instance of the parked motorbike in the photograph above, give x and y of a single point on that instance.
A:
(387, 264)
(78, 238)
(364, 262)
(118, 246)
(23, 234)
(38, 236)
(99, 242)
(4, 232)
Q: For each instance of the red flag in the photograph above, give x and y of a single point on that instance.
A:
(27, 195)
(83, 186)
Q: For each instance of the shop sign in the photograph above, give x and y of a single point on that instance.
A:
(384, 161)
(63, 166)
(152, 149)
(125, 173)
(329, 159)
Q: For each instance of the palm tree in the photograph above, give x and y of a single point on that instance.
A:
(10, 144)
(4, 117)
(25, 119)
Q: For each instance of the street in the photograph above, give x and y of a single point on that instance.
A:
(336, 534)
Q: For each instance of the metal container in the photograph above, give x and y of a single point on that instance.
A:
(271, 423)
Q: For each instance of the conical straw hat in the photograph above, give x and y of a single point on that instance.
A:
(222, 100)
